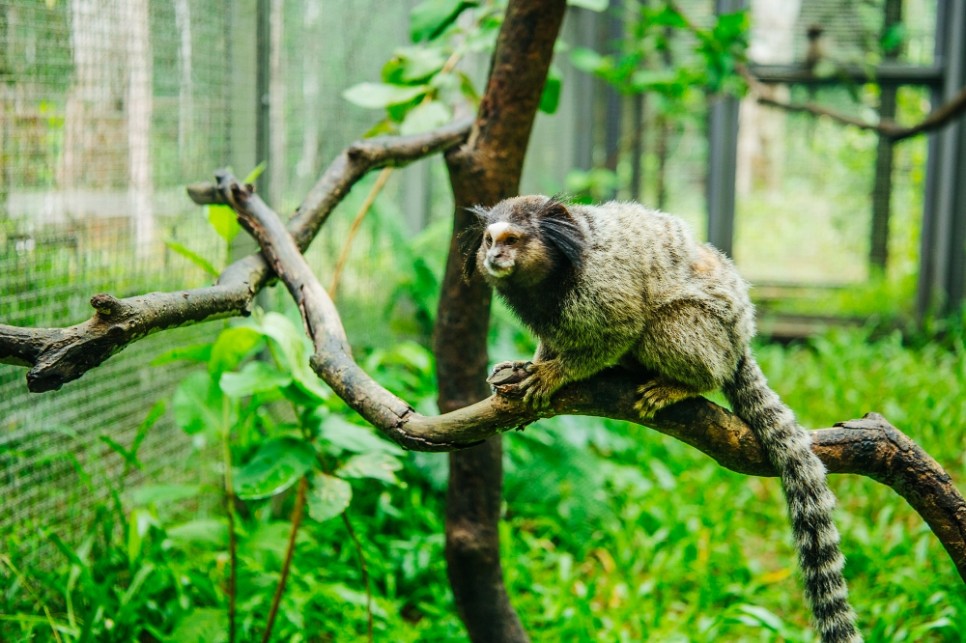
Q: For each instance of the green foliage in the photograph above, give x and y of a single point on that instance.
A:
(611, 532)
(645, 59)
(420, 85)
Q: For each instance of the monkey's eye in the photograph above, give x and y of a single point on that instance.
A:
(511, 240)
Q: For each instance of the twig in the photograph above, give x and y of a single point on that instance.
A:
(354, 228)
(230, 513)
(887, 128)
(297, 512)
(364, 569)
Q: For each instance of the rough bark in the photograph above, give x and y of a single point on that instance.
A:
(482, 172)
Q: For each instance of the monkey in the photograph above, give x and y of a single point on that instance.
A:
(619, 284)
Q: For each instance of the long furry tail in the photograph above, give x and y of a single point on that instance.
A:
(810, 501)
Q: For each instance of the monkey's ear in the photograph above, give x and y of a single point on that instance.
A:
(559, 228)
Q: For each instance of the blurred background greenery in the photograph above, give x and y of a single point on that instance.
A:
(114, 522)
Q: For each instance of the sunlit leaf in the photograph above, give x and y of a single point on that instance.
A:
(382, 95)
(413, 65)
(328, 497)
(231, 347)
(195, 353)
(204, 531)
(223, 220)
(256, 172)
(589, 60)
(202, 625)
(294, 349)
(429, 18)
(425, 117)
(159, 494)
(345, 436)
(276, 466)
(197, 404)
(254, 377)
(192, 256)
(376, 465)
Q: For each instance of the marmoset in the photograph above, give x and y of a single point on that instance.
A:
(621, 284)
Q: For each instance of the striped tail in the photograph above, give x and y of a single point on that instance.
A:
(810, 501)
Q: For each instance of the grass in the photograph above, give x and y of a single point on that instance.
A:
(680, 549)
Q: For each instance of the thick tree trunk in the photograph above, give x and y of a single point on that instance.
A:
(484, 171)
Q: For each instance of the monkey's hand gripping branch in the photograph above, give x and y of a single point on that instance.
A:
(870, 446)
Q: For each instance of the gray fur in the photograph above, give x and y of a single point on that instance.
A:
(631, 286)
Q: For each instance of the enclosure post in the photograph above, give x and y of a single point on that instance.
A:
(722, 158)
(882, 183)
(941, 259)
(263, 130)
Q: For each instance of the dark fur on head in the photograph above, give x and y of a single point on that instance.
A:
(470, 239)
(551, 220)
(559, 229)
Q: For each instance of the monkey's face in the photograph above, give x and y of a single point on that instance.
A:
(502, 245)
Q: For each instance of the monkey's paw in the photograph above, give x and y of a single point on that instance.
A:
(544, 380)
(657, 394)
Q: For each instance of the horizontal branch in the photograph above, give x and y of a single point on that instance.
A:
(938, 118)
(56, 356)
(870, 446)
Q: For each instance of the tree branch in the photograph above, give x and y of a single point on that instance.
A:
(936, 119)
(59, 355)
(870, 446)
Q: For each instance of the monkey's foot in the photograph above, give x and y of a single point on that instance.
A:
(544, 380)
(659, 393)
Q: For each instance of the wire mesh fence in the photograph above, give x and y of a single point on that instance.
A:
(106, 110)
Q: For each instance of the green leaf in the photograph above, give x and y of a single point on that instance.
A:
(196, 353)
(756, 616)
(666, 16)
(256, 172)
(192, 256)
(294, 350)
(345, 436)
(425, 117)
(590, 5)
(663, 80)
(411, 65)
(429, 18)
(231, 347)
(223, 220)
(197, 404)
(202, 625)
(329, 497)
(590, 61)
(161, 494)
(382, 95)
(892, 38)
(550, 98)
(277, 465)
(254, 377)
(375, 465)
(204, 531)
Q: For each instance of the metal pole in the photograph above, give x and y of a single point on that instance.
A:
(722, 155)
